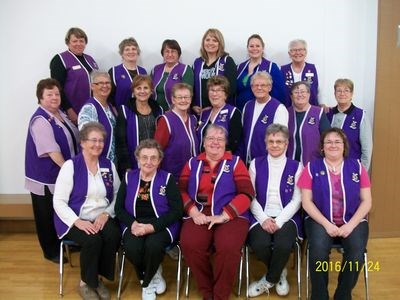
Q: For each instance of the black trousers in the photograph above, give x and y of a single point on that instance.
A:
(43, 212)
(146, 252)
(97, 251)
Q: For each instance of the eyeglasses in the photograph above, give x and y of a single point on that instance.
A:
(300, 92)
(262, 86)
(215, 139)
(277, 142)
(95, 141)
(182, 97)
(216, 90)
(345, 91)
(297, 50)
(146, 158)
(331, 143)
(102, 83)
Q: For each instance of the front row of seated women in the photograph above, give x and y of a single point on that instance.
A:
(215, 197)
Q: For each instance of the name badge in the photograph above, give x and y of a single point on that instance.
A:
(104, 170)
(77, 67)
(309, 74)
(224, 111)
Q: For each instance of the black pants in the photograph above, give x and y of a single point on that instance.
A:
(273, 249)
(44, 212)
(97, 252)
(146, 252)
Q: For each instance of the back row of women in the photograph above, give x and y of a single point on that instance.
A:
(215, 186)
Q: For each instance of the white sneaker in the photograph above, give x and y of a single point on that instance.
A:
(282, 287)
(149, 293)
(257, 288)
(158, 282)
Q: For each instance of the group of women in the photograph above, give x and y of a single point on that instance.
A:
(181, 139)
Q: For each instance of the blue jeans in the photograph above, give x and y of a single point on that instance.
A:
(320, 244)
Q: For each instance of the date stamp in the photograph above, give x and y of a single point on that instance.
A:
(352, 266)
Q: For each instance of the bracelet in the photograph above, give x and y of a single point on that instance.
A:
(107, 214)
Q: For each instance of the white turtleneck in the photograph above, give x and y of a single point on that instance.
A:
(274, 207)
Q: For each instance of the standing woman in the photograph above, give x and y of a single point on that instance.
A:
(136, 121)
(176, 131)
(221, 113)
(353, 121)
(336, 195)
(306, 124)
(72, 69)
(213, 61)
(299, 70)
(167, 74)
(97, 109)
(123, 74)
(52, 139)
(84, 200)
(255, 63)
(149, 207)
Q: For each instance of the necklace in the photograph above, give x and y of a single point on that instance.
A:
(334, 168)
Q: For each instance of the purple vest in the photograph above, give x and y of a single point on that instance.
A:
(158, 197)
(43, 169)
(77, 84)
(309, 134)
(222, 118)
(175, 76)
(224, 186)
(197, 68)
(322, 189)
(79, 191)
(351, 127)
(286, 188)
(309, 74)
(123, 83)
(253, 145)
(103, 119)
(182, 145)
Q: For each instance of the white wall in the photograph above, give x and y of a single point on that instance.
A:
(341, 36)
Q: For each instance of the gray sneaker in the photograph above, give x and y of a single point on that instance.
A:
(103, 291)
(87, 293)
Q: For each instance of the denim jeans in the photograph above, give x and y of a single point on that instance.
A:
(320, 244)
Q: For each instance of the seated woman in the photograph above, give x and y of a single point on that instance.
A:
(353, 120)
(257, 63)
(84, 195)
(122, 75)
(136, 121)
(221, 113)
(169, 73)
(276, 219)
(336, 194)
(149, 207)
(216, 193)
(306, 124)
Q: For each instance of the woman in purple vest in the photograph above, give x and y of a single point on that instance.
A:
(149, 207)
(213, 61)
(306, 124)
(72, 69)
(98, 109)
(299, 70)
(52, 139)
(336, 194)
(275, 219)
(123, 74)
(169, 73)
(353, 121)
(221, 113)
(258, 114)
(136, 121)
(176, 131)
(255, 63)
(216, 192)
(84, 200)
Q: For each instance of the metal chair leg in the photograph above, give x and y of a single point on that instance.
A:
(61, 267)
(121, 275)
(178, 273)
(307, 272)
(298, 258)
(240, 275)
(366, 275)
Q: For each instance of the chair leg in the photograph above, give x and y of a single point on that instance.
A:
(366, 275)
(298, 255)
(121, 275)
(307, 272)
(187, 282)
(178, 273)
(246, 249)
(61, 267)
(240, 272)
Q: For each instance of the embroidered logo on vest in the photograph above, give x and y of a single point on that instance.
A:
(264, 120)
(163, 190)
(353, 124)
(227, 169)
(355, 177)
(311, 121)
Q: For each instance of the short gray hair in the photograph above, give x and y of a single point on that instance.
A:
(98, 73)
(276, 128)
